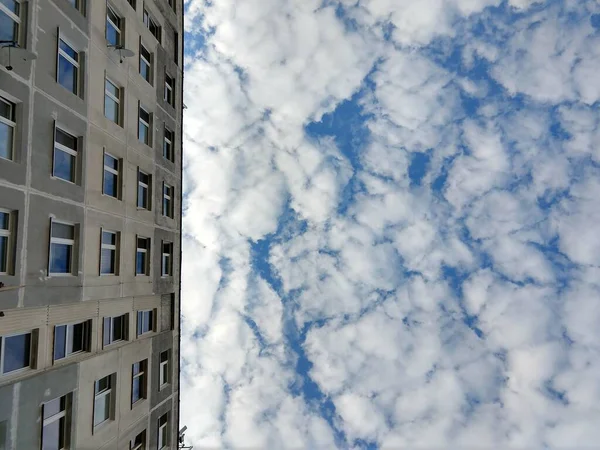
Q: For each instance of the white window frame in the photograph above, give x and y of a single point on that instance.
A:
(163, 429)
(145, 250)
(114, 247)
(111, 328)
(169, 197)
(142, 374)
(104, 393)
(11, 123)
(3, 352)
(65, 149)
(56, 417)
(165, 269)
(149, 63)
(151, 324)
(115, 99)
(146, 124)
(161, 381)
(169, 89)
(148, 19)
(9, 246)
(75, 64)
(145, 186)
(56, 240)
(116, 26)
(87, 331)
(15, 17)
(170, 156)
(114, 172)
(140, 446)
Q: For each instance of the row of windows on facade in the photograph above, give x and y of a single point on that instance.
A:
(16, 355)
(66, 151)
(63, 240)
(12, 12)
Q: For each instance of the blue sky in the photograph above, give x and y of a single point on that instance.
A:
(390, 230)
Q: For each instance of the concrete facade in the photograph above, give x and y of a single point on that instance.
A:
(40, 304)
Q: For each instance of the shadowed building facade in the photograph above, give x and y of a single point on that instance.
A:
(90, 224)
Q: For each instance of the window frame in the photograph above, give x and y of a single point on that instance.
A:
(116, 172)
(117, 100)
(66, 414)
(76, 64)
(169, 91)
(8, 234)
(146, 186)
(12, 123)
(62, 241)
(167, 212)
(148, 126)
(149, 21)
(168, 142)
(113, 247)
(143, 374)
(163, 428)
(118, 27)
(125, 331)
(163, 380)
(67, 150)
(16, 18)
(141, 445)
(141, 314)
(147, 61)
(103, 393)
(3, 352)
(85, 336)
(146, 251)
(166, 269)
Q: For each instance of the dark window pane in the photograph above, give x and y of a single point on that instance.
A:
(62, 230)
(118, 326)
(107, 265)
(53, 407)
(4, 220)
(69, 50)
(67, 74)
(112, 34)
(66, 139)
(111, 109)
(110, 183)
(111, 162)
(109, 238)
(60, 341)
(6, 141)
(3, 253)
(142, 196)
(136, 390)
(144, 115)
(17, 352)
(140, 263)
(143, 133)
(114, 90)
(60, 258)
(76, 338)
(64, 165)
(51, 436)
(106, 336)
(8, 28)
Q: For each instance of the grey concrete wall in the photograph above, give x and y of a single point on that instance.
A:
(42, 289)
(6, 402)
(46, 114)
(36, 391)
(14, 171)
(160, 343)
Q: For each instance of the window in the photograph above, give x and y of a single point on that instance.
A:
(143, 125)
(131, 3)
(103, 399)
(176, 47)
(163, 431)
(75, 4)
(110, 183)
(55, 426)
(109, 256)
(168, 145)
(151, 25)
(114, 329)
(145, 64)
(142, 259)
(7, 127)
(139, 442)
(113, 27)
(169, 88)
(10, 21)
(163, 374)
(143, 197)
(62, 240)
(68, 67)
(15, 352)
(167, 208)
(138, 381)
(145, 321)
(71, 338)
(167, 255)
(6, 250)
(112, 101)
(64, 162)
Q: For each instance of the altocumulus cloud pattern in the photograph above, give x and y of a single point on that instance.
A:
(391, 224)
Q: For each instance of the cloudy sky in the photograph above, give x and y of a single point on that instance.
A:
(391, 224)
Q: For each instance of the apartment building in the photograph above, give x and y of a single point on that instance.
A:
(90, 223)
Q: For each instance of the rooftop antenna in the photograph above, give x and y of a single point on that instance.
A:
(182, 446)
(123, 52)
(14, 51)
